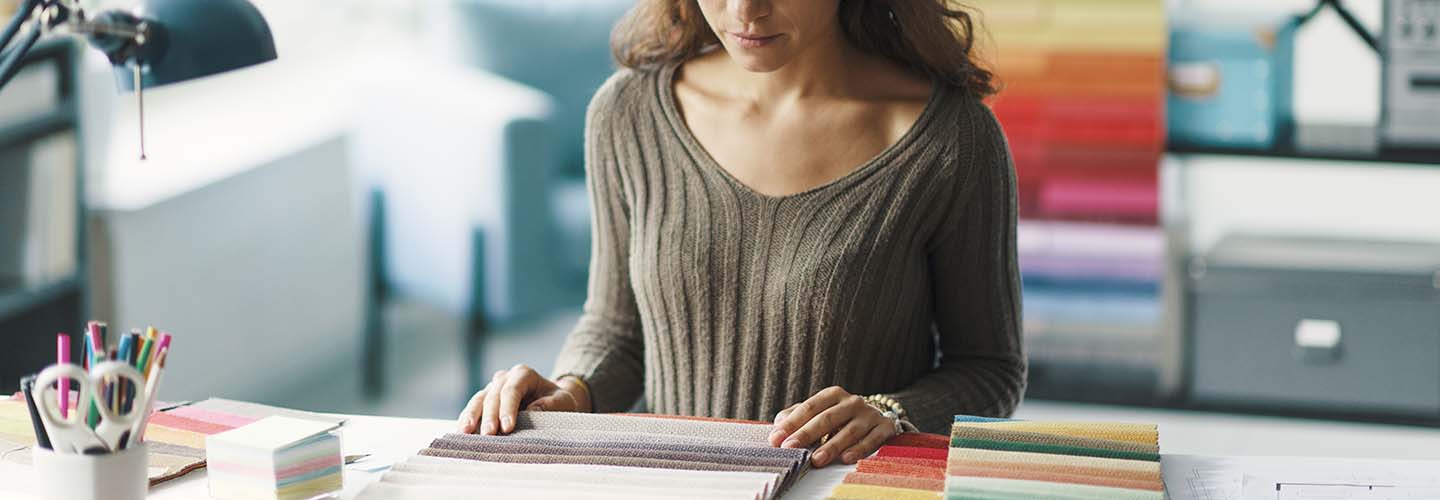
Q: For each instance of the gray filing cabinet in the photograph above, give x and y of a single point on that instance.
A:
(1317, 325)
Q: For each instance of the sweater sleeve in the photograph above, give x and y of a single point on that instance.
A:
(606, 347)
(975, 292)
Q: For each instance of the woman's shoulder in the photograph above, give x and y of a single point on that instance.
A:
(623, 90)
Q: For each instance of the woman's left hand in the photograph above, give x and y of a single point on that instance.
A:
(856, 429)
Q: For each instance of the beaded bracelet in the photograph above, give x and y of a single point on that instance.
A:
(892, 410)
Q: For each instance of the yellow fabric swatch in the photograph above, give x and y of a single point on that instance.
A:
(869, 492)
(1146, 434)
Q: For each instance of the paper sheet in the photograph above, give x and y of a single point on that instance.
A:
(1192, 477)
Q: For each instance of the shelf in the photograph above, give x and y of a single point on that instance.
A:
(1420, 157)
(18, 300)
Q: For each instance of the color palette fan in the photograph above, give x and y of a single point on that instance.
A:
(600, 456)
(992, 459)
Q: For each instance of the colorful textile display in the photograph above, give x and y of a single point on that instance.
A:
(998, 459)
(910, 466)
(601, 456)
(1082, 102)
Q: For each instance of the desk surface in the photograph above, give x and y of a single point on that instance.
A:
(392, 439)
(387, 440)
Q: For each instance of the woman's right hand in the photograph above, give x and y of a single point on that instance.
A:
(493, 410)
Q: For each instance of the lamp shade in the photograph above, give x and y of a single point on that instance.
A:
(197, 38)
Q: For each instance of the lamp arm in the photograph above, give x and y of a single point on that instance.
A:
(10, 61)
(23, 12)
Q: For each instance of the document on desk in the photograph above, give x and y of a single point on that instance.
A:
(1194, 477)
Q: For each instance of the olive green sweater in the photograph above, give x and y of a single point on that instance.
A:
(715, 300)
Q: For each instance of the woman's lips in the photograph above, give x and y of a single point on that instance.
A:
(753, 41)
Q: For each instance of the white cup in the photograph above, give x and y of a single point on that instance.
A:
(111, 476)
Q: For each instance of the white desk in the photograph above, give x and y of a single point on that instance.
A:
(388, 440)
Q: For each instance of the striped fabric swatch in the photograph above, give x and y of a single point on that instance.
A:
(910, 466)
(993, 459)
(569, 455)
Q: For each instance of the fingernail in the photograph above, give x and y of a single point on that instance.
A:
(790, 443)
(851, 457)
(506, 424)
(487, 426)
(820, 457)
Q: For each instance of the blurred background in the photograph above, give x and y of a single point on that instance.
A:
(1226, 205)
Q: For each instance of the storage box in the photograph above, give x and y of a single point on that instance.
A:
(1322, 325)
(1225, 86)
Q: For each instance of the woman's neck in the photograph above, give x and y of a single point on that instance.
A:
(821, 69)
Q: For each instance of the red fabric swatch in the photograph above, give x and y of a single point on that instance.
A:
(893, 469)
(922, 462)
(920, 440)
(912, 452)
(914, 483)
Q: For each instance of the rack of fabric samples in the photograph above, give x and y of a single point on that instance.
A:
(569, 455)
(1004, 459)
(1082, 104)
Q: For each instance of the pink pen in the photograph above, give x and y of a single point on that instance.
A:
(62, 352)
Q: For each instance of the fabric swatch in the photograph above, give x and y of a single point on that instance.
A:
(209, 416)
(914, 483)
(894, 469)
(972, 437)
(1015, 457)
(986, 487)
(655, 463)
(681, 454)
(870, 492)
(1056, 477)
(920, 440)
(667, 426)
(913, 452)
(587, 474)
(186, 424)
(1144, 434)
(639, 442)
(922, 462)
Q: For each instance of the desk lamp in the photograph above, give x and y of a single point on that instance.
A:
(157, 43)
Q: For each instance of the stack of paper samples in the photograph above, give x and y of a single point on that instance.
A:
(275, 458)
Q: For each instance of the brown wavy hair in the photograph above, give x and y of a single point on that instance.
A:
(933, 37)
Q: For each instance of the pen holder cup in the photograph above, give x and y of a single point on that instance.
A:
(111, 476)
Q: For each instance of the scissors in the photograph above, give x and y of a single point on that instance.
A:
(72, 435)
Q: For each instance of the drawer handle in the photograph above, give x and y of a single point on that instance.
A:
(1317, 341)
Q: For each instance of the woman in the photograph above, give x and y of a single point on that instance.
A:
(802, 210)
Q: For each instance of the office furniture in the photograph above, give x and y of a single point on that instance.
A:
(1225, 196)
(1410, 44)
(43, 255)
(1311, 323)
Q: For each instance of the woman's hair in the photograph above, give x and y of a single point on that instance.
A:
(933, 37)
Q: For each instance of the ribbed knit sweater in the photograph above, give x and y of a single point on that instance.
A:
(898, 278)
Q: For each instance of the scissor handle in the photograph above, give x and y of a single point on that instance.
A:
(114, 422)
(69, 432)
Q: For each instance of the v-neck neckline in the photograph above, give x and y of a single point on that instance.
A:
(671, 107)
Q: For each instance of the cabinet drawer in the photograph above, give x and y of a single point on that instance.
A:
(1385, 357)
